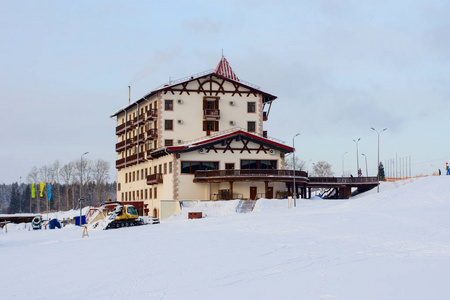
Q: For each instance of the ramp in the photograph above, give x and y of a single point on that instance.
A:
(245, 206)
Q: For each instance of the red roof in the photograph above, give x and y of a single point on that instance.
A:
(224, 69)
(253, 137)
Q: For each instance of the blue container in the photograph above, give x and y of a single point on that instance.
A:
(54, 223)
(77, 220)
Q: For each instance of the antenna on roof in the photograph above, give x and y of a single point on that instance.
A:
(129, 94)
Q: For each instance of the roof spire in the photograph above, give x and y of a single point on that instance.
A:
(224, 69)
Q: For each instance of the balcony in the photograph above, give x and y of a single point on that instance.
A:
(138, 139)
(151, 114)
(152, 134)
(123, 127)
(130, 160)
(139, 120)
(211, 114)
(155, 178)
(250, 175)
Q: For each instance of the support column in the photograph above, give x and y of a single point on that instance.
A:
(309, 192)
(266, 188)
(231, 190)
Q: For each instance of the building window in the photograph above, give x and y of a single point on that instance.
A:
(229, 166)
(165, 168)
(168, 143)
(210, 125)
(251, 107)
(189, 167)
(247, 164)
(168, 104)
(146, 194)
(251, 126)
(118, 186)
(155, 193)
(168, 124)
(150, 193)
(170, 167)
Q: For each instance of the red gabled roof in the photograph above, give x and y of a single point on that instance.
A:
(253, 137)
(224, 69)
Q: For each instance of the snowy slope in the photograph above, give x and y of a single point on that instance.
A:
(391, 245)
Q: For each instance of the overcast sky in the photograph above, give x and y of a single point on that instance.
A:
(337, 67)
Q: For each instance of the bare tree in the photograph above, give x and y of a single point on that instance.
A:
(66, 173)
(100, 174)
(33, 179)
(299, 164)
(322, 169)
(55, 180)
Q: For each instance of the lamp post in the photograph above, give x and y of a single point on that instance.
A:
(81, 183)
(367, 172)
(295, 189)
(20, 194)
(378, 160)
(357, 156)
(343, 163)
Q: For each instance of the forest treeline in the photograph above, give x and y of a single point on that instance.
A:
(65, 181)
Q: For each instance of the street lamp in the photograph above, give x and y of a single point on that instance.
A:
(343, 163)
(357, 156)
(367, 172)
(81, 183)
(295, 190)
(378, 160)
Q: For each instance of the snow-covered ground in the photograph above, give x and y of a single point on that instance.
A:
(391, 245)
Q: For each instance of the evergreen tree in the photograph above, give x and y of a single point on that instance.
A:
(381, 172)
(26, 199)
(15, 198)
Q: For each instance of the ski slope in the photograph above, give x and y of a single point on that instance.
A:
(391, 245)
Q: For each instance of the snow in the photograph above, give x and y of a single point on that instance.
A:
(389, 245)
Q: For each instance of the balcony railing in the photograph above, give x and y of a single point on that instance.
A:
(211, 113)
(130, 160)
(218, 175)
(155, 178)
(343, 180)
(151, 114)
(152, 134)
(139, 120)
(125, 126)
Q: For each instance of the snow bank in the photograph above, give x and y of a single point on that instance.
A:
(389, 245)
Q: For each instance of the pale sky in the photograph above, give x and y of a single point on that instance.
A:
(337, 67)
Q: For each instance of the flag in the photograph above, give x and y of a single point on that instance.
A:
(49, 196)
(33, 191)
(42, 185)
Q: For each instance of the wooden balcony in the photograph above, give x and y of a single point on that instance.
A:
(138, 139)
(152, 134)
(123, 127)
(211, 114)
(130, 160)
(155, 178)
(250, 175)
(139, 120)
(120, 146)
(151, 114)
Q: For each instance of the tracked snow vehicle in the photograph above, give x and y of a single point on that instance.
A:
(123, 216)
